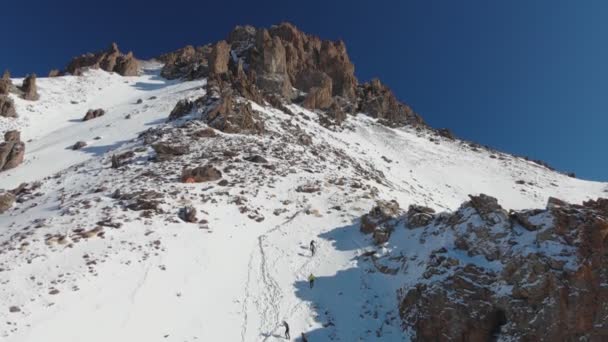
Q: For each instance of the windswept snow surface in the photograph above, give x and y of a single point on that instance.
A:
(243, 270)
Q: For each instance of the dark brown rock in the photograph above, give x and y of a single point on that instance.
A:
(201, 174)
(549, 289)
(12, 136)
(378, 101)
(419, 216)
(6, 84)
(29, 88)
(271, 65)
(111, 60)
(78, 145)
(218, 59)
(93, 114)
(188, 62)
(166, 150)
(12, 150)
(188, 214)
(382, 216)
(229, 116)
(6, 201)
(182, 108)
(7, 107)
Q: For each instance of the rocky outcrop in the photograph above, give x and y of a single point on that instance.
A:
(6, 84)
(534, 275)
(55, 73)
(111, 60)
(318, 86)
(182, 108)
(201, 174)
(382, 216)
(93, 114)
(7, 107)
(419, 216)
(270, 64)
(6, 201)
(188, 62)
(282, 64)
(218, 59)
(12, 151)
(29, 88)
(231, 116)
(378, 101)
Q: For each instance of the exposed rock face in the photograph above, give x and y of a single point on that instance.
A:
(188, 62)
(93, 114)
(379, 101)
(12, 150)
(218, 59)
(381, 220)
(182, 108)
(29, 88)
(537, 281)
(267, 64)
(271, 65)
(111, 60)
(230, 116)
(7, 107)
(319, 88)
(418, 216)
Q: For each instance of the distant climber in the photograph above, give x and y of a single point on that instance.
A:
(313, 248)
(311, 280)
(286, 330)
(304, 339)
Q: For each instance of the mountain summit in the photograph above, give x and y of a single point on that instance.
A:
(231, 191)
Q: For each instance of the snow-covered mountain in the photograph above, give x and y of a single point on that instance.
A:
(198, 228)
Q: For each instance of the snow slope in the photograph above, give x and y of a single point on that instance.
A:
(240, 272)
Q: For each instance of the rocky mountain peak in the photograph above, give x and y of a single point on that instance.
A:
(284, 62)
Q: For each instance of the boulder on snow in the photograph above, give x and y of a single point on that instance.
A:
(201, 174)
(78, 145)
(165, 150)
(188, 214)
(93, 113)
(383, 212)
(7, 107)
(12, 150)
(6, 201)
(29, 88)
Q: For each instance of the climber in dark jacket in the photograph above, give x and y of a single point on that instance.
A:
(313, 248)
(304, 339)
(286, 330)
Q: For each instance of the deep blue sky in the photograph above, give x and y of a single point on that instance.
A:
(526, 77)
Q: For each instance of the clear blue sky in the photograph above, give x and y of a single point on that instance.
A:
(526, 77)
